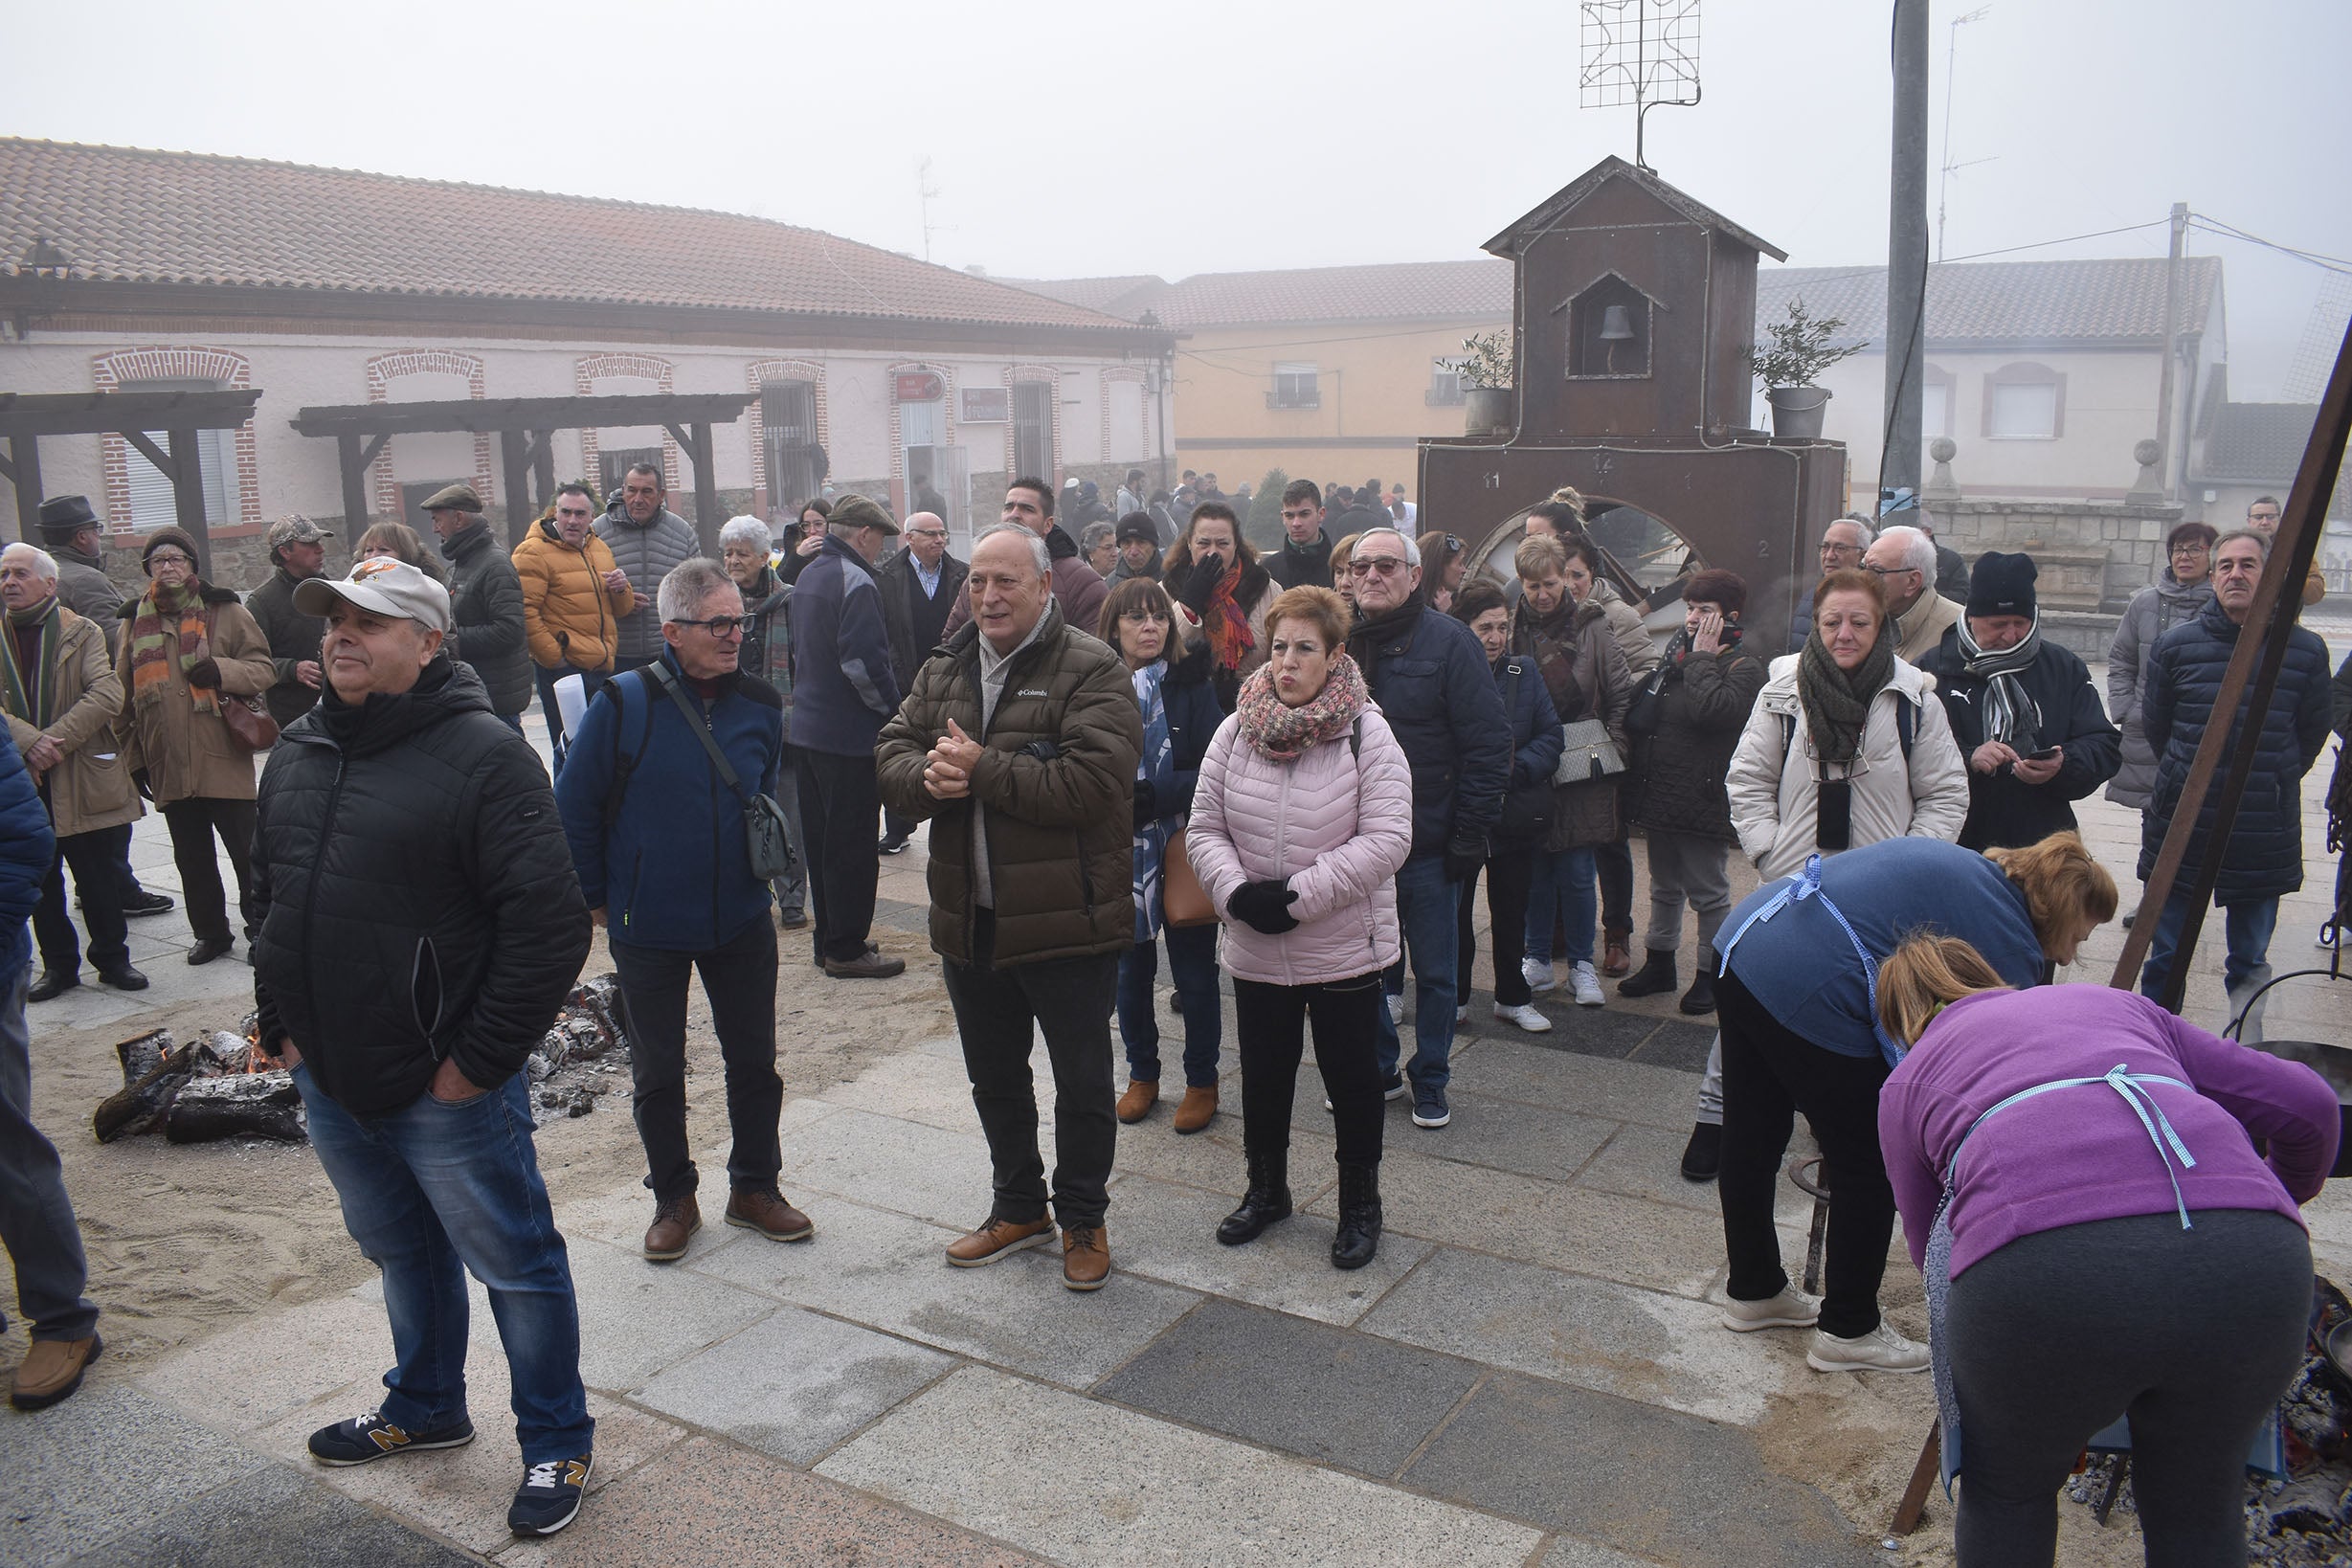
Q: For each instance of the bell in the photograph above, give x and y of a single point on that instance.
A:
(1616, 325)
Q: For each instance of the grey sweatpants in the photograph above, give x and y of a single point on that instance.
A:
(1685, 866)
(2195, 1334)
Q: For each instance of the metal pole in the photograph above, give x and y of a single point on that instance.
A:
(2172, 350)
(1898, 472)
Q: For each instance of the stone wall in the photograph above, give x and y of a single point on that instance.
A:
(2092, 555)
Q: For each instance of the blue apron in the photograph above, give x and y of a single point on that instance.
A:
(1805, 887)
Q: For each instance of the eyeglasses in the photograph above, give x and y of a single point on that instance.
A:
(1388, 566)
(926, 533)
(170, 557)
(2189, 549)
(721, 626)
(1828, 548)
(1887, 571)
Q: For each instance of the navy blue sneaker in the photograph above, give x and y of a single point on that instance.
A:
(549, 1497)
(1429, 1107)
(364, 1439)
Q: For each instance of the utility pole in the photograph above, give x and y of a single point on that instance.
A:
(2172, 350)
(1899, 470)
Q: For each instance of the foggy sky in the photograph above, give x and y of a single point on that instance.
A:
(1070, 138)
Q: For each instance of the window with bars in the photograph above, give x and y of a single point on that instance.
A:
(152, 504)
(613, 463)
(1033, 430)
(1294, 388)
(796, 462)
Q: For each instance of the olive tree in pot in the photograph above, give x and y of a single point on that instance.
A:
(1800, 351)
(1486, 370)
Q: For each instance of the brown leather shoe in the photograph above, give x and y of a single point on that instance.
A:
(767, 1212)
(1142, 1094)
(1193, 1111)
(51, 1370)
(1617, 959)
(674, 1220)
(997, 1239)
(1086, 1257)
(868, 965)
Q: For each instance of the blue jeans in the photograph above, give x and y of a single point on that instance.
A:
(429, 1186)
(2247, 929)
(1564, 895)
(37, 1219)
(1427, 904)
(1192, 963)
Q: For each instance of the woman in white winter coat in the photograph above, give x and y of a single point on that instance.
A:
(1302, 813)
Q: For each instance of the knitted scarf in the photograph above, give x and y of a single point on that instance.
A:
(1156, 763)
(1837, 704)
(1230, 639)
(169, 620)
(2011, 715)
(31, 695)
(1551, 641)
(1280, 733)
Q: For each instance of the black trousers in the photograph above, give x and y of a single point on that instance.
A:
(838, 802)
(998, 1013)
(1770, 1074)
(1509, 875)
(195, 822)
(98, 858)
(739, 977)
(1271, 1022)
(1614, 861)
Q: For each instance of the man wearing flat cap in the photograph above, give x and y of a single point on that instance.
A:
(420, 924)
(486, 602)
(297, 549)
(2024, 712)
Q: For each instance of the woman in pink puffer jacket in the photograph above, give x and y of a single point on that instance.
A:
(1303, 813)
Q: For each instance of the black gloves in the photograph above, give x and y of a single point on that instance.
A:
(205, 675)
(1200, 582)
(1147, 802)
(1264, 907)
(138, 781)
(1462, 859)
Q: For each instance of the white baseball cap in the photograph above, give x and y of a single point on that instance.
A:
(382, 587)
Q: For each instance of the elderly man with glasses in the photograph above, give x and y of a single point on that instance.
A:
(920, 585)
(657, 836)
(1904, 558)
(1842, 543)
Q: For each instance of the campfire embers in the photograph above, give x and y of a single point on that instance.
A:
(220, 1086)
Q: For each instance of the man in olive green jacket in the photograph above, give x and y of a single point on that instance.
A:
(1020, 742)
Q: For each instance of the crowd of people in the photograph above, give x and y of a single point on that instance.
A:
(1291, 769)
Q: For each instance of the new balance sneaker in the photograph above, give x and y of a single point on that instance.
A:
(549, 1495)
(1396, 1009)
(365, 1439)
(1881, 1350)
(1587, 986)
(1537, 973)
(1525, 1017)
(1429, 1108)
(1791, 1309)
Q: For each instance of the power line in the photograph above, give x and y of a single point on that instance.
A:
(2226, 230)
(2045, 244)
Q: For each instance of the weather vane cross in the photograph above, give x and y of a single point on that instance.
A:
(1645, 52)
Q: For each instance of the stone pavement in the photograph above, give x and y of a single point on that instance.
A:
(1530, 1373)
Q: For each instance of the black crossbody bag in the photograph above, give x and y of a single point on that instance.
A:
(764, 834)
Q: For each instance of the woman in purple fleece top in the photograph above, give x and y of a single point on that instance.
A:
(2077, 1181)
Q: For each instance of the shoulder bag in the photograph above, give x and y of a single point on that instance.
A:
(765, 836)
(1182, 898)
(250, 724)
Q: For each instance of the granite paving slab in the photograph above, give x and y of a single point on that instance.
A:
(888, 1271)
(1678, 1044)
(927, 1171)
(1569, 1551)
(1167, 1232)
(1657, 1482)
(1618, 1091)
(1590, 1031)
(1212, 1159)
(794, 1383)
(1646, 1162)
(637, 1317)
(274, 1515)
(65, 1481)
(1615, 1338)
(1131, 1490)
(240, 1382)
(1321, 1393)
(1512, 1136)
(711, 1505)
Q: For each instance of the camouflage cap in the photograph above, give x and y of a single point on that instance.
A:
(294, 529)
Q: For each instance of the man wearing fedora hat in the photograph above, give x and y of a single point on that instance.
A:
(71, 531)
(298, 548)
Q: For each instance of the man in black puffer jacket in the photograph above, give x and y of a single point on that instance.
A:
(486, 602)
(2264, 857)
(420, 924)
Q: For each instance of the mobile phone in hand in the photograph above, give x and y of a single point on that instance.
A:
(2045, 754)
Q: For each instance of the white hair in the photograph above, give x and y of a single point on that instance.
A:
(44, 564)
(1916, 548)
(1037, 551)
(1867, 532)
(689, 584)
(1412, 550)
(746, 530)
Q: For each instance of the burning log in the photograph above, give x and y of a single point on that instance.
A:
(250, 1104)
(154, 1071)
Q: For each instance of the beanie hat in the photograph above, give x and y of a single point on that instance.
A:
(2001, 585)
(179, 538)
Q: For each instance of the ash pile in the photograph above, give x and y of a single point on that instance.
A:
(220, 1086)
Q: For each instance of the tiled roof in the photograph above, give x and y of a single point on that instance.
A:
(123, 215)
(2057, 302)
(1473, 290)
(2258, 443)
(1125, 295)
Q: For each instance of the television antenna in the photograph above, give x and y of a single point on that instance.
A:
(925, 190)
(1951, 58)
(1643, 53)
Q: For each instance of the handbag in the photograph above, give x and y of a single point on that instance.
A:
(1586, 754)
(765, 836)
(1527, 803)
(250, 724)
(1182, 898)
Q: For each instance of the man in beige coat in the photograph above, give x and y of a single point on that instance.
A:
(60, 694)
(1905, 561)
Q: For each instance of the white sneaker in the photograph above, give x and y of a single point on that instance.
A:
(1395, 1008)
(1525, 1017)
(1462, 1015)
(1791, 1309)
(2326, 942)
(1881, 1350)
(1588, 986)
(1537, 973)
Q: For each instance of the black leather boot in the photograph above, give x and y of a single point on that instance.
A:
(1701, 997)
(1359, 1217)
(1655, 977)
(1268, 1200)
